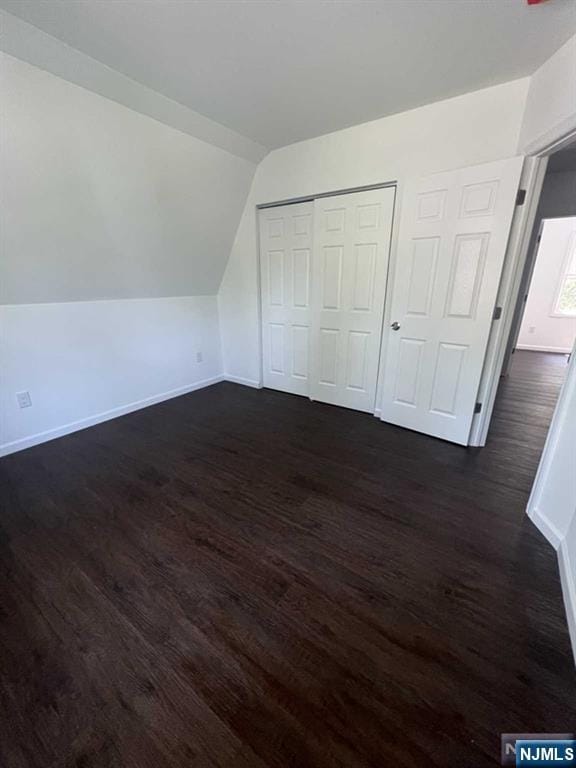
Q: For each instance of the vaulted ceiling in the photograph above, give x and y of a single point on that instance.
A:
(280, 71)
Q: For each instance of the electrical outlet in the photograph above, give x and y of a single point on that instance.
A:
(199, 357)
(532, 329)
(24, 400)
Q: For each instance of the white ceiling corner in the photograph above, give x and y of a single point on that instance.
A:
(278, 71)
(26, 42)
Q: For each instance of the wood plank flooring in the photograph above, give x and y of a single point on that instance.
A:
(241, 578)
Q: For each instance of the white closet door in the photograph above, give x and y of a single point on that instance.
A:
(351, 249)
(452, 240)
(285, 264)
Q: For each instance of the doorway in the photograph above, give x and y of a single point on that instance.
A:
(543, 330)
(548, 322)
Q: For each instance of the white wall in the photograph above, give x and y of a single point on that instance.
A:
(475, 128)
(115, 231)
(541, 329)
(552, 504)
(553, 499)
(550, 115)
(567, 556)
(102, 202)
(551, 104)
(28, 43)
(86, 361)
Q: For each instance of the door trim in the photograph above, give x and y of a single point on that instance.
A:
(531, 179)
(516, 261)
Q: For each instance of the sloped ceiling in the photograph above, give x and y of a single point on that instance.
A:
(101, 202)
(28, 43)
(278, 71)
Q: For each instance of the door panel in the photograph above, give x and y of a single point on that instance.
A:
(351, 247)
(301, 277)
(453, 237)
(285, 264)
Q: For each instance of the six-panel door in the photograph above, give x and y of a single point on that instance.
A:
(285, 269)
(351, 249)
(451, 246)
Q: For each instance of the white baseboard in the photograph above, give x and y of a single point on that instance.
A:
(567, 571)
(567, 578)
(545, 527)
(239, 380)
(98, 418)
(557, 350)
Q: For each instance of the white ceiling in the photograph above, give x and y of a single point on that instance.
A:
(278, 71)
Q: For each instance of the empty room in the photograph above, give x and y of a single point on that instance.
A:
(287, 383)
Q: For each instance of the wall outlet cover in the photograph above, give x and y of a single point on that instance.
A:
(199, 357)
(24, 400)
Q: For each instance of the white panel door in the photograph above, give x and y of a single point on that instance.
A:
(351, 248)
(453, 236)
(285, 271)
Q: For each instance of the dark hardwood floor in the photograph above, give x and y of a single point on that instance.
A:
(242, 578)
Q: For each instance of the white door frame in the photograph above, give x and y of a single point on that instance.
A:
(525, 281)
(509, 293)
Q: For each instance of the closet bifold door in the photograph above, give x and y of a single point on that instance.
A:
(351, 251)
(285, 282)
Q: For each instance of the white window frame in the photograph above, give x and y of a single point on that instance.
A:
(564, 275)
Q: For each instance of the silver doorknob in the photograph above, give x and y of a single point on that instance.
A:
(395, 326)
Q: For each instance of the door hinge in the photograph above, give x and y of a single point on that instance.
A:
(477, 407)
(520, 197)
(497, 313)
